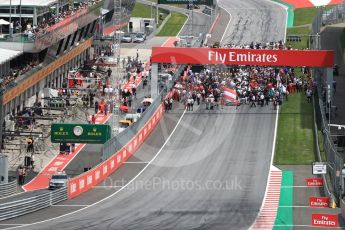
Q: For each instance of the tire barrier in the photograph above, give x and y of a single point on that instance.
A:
(31, 204)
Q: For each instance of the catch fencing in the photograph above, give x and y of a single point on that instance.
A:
(324, 111)
(334, 160)
(334, 15)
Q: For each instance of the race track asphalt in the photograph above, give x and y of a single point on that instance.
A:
(211, 174)
(200, 20)
(254, 21)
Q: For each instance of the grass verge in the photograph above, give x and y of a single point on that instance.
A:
(175, 5)
(305, 16)
(173, 25)
(295, 140)
(303, 32)
(146, 11)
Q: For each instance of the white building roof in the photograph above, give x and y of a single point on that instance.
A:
(7, 55)
(27, 2)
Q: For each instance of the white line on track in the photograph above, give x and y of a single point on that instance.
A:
(178, 34)
(275, 136)
(70, 205)
(110, 186)
(100, 201)
(11, 195)
(227, 27)
(301, 186)
(134, 162)
(271, 164)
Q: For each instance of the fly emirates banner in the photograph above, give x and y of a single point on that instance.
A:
(311, 58)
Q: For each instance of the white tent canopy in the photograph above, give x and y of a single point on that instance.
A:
(7, 55)
(4, 22)
(27, 2)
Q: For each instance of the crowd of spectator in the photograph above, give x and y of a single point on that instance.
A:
(254, 85)
(15, 72)
(50, 23)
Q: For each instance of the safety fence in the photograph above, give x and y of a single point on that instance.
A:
(342, 207)
(9, 188)
(323, 111)
(31, 204)
(334, 15)
(326, 150)
(334, 160)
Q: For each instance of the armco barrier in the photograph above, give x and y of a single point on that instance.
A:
(8, 189)
(31, 204)
(87, 180)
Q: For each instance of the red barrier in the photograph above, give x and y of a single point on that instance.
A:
(87, 180)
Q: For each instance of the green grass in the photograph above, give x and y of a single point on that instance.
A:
(144, 11)
(304, 32)
(305, 16)
(295, 140)
(175, 5)
(173, 25)
(322, 150)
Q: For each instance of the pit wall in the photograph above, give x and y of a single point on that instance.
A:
(87, 180)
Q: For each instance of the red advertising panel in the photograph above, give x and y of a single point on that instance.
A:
(324, 220)
(311, 58)
(319, 202)
(87, 180)
(314, 182)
